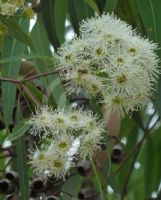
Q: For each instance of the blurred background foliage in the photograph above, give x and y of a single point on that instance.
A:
(26, 53)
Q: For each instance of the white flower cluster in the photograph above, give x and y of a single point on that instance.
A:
(9, 7)
(66, 135)
(112, 59)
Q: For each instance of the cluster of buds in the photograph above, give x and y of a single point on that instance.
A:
(111, 59)
(65, 136)
(10, 7)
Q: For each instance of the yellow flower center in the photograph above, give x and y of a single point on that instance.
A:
(99, 51)
(62, 145)
(132, 51)
(68, 56)
(60, 121)
(117, 100)
(74, 118)
(121, 78)
(58, 164)
(41, 157)
(120, 61)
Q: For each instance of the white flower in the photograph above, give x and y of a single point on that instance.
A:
(71, 134)
(41, 121)
(10, 7)
(7, 8)
(61, 144)
(59, 121)
(70, 54)
(106, 24)
(39, 161)
(58, 165)
(113, 60)
(90, 143)
(81, 78)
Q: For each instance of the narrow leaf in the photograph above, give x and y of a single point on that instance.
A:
(17, 31)
(11, 48)
(19, 131)
(93, 5)
(60, 11)
(22, 167)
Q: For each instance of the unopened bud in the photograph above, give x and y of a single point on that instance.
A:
(38, 185)
(6, 186)
(12, 176)
(87, 193)
(50, 198)
(83, 167)
(117, 154)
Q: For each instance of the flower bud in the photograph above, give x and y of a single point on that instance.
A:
(12, 176)
(117, 154)
(87, 193)
(38, 185)
(50, 198)
(6, 186)
(83, 167)
(12, 197)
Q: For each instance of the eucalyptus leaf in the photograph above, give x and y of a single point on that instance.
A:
(19, 131)
(15, 29)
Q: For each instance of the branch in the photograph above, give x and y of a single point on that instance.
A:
(40, 75)
(12, 80)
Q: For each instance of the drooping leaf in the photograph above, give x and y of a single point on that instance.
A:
(60, 12)
(49, 20)
(150, 161)
(110, 5)
(21, 166)
(15, 30)
(93, 5)
(79, 10)
(151, 17)
(11, 48)
(52, 83)
(27, 57)
(19, 130)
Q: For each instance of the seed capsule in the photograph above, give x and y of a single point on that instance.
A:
(87, 193)
(12, 176)
(117, 154)
(6, 186)
(83, 167)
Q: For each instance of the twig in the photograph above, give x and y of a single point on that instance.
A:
(31, 96)
(40, 75)
(136, 150)
(10, 80)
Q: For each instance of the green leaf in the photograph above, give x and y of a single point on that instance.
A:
(27, 57)
(11, 48)
(96, 106)
(35, 91)
(93, 5)
(52, 83)
(60, 11)
(151, 17)
(19, 131)
(73, 181)
(158, 97)
(79, 10)
(21, 162)
(150, 160)
(110, 5)
(98, 181)
(17, 31)
(40, 38)
(49, 20)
